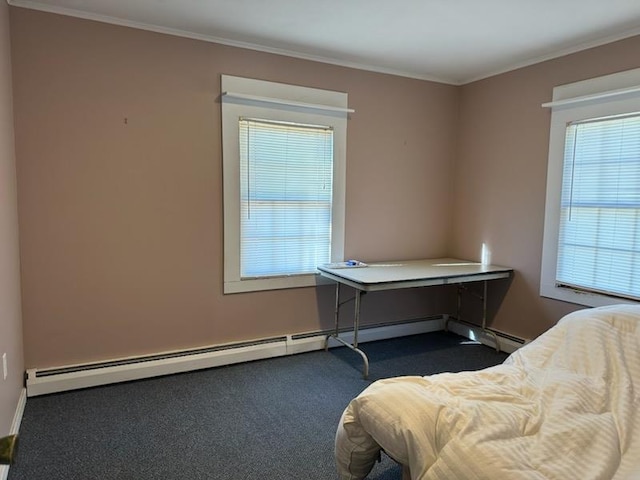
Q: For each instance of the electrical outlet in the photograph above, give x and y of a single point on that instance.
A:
(4, 366)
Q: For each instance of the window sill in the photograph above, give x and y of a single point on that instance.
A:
(580, 298)
(274, 283)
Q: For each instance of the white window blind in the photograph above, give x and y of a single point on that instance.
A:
(599, 231)
(286, 192)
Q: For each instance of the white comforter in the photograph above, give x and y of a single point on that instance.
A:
(563, 407)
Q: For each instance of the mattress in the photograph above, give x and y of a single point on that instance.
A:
(564, 406)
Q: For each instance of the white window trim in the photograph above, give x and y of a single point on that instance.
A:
(598, 97)
(245, 97)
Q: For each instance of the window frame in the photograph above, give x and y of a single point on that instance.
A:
(605, 96)
(245, 97)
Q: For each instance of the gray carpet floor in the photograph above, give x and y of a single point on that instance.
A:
(268, 419)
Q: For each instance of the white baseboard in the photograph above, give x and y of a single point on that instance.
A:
(40, 382)
(371, 334)
(507, 343)
(51, 380)
(15, 427)
(17, 417)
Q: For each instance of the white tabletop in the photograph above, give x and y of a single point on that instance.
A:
(414, 273)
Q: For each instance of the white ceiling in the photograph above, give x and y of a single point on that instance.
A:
(451, 41)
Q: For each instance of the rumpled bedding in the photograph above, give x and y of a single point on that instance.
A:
(565, 406)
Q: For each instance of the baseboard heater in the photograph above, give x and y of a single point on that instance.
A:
(507, 343)
(58, 379)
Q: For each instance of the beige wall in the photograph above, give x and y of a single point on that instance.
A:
(500, 173)
(10, 321)
(121, 222)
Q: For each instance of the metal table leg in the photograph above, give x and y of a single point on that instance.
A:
(356, 326)
(483, 327)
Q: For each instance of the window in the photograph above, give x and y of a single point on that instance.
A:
(599, 242)
(283, 178)
(591, 252)
(286, 177)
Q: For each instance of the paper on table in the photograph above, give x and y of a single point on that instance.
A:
(347, 264)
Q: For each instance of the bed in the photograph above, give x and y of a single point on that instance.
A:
(565, 406)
